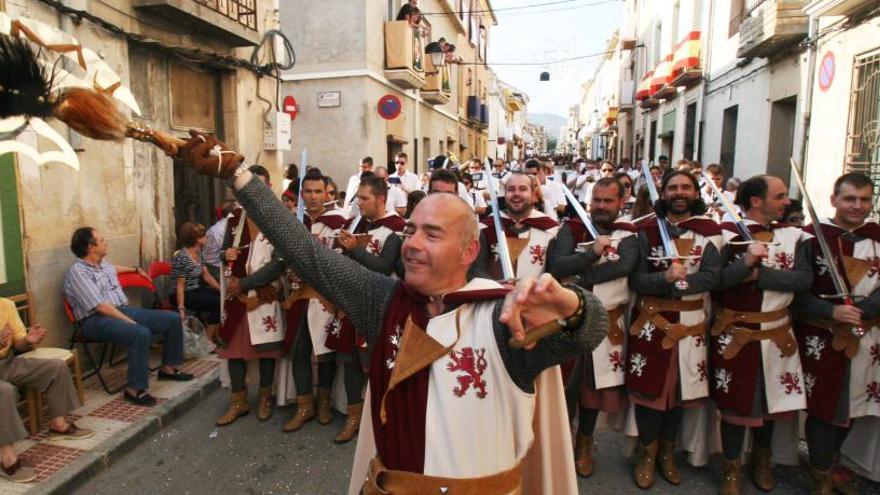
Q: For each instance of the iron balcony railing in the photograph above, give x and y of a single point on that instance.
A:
(243, 12)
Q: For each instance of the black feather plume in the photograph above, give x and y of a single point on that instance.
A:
(25, 87)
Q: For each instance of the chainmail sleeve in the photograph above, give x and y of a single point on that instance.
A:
(363, 295)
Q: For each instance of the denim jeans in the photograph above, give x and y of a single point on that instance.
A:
(136, 338)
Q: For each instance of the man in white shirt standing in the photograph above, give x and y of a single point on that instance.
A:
(402, 178)
(396, 200)
(554, 198)
(354, 181)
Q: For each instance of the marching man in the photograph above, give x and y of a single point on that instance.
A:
(252, 325)
(757, 376)
(373, 241)
(839, 343)
(310, 317)
(448, 374)
(603, 267)
(666, 346)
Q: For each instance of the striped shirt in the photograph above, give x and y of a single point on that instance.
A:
(214, 242)
(182, 266)
(86, 286)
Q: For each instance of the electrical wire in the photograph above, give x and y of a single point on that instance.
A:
(545, 63)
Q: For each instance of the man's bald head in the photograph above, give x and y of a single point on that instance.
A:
(453, 208)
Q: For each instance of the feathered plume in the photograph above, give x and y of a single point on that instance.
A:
(25, 88)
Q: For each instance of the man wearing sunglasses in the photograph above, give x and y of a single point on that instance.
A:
(407, 180)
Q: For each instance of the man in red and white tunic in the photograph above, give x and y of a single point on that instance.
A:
(451, 393)
(529, 235)
(374, 243)
(602, 266)
(841, 366)
(666, 346)
(756, 370)
(310, 317)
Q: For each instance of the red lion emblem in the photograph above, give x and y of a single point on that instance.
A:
(616, 360)
(791, 382)
(473, 364)
(701, 369)
(374, 247)
(696, 252)
(875, 354)
(873, 390)
(271, 323)
(784, 261)
(538, 253)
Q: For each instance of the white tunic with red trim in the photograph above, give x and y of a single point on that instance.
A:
(734, 380)
(533, 257)
(325, 229)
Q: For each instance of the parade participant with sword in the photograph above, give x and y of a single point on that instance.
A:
(666, 363)
(600, 251)
(838, 328)
(755, 365)
(451, 400)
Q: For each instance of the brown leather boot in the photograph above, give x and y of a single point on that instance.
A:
(730, 478)
(762, 473)
(238, 406)
(841, 479)
(666, 461)
(822, 484)
(352, 424)
(264, 406)
(643, 473)
(583, 455)
(325, 410)
(305, 412)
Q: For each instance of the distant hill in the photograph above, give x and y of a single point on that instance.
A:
(552, 123)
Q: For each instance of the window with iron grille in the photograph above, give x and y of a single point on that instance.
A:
(863, 131)
(243, 12)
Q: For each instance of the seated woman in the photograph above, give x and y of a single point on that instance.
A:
(189, 270)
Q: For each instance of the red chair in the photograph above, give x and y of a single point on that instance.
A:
(160, 269)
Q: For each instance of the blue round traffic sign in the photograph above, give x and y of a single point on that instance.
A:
(389, 107)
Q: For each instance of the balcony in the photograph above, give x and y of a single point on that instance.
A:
(404, 55)
(473, 109)
(686, 66)
(437, 89)
(643, 93)
(661, 82)
(771, 26)
(626, 96)
(231, 21)
(819, 8)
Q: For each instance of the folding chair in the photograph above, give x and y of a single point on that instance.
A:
(79, 338)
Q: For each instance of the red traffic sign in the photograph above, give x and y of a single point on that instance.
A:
(500, 140)
(290, 107)
(389, 107)
(826, 71)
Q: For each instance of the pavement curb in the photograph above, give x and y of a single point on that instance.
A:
(96, 460)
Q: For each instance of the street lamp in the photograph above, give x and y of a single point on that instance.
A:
(435, 50)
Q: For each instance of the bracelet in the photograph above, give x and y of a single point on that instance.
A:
(577, 318)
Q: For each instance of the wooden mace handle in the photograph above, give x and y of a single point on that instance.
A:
(536, 334)
(170, 144)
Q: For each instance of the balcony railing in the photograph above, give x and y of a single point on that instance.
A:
(243, 12)
(404, 55)
(232, 21)
(770, 26)
(686, 60)
(438, 88)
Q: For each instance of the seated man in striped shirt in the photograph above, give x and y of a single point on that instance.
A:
(91, 286)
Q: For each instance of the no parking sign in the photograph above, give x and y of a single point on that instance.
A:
(389, 107)
(826, 71)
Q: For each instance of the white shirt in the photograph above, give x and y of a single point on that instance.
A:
(396, 198)
(409, 182)
(553, 198)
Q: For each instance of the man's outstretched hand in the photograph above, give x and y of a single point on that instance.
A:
(535, 302)
(209, 156)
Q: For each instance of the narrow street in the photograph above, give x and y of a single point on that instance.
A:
(250, 457)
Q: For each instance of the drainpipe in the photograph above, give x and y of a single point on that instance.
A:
(701, 105)
(807, 90)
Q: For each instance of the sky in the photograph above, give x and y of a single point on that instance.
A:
(549, 33)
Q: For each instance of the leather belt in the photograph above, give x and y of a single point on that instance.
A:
(650, 309)
(615, 333)
(843, 339)
(780, 335)
(382, 481)
(265, 295)
(306, 291)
